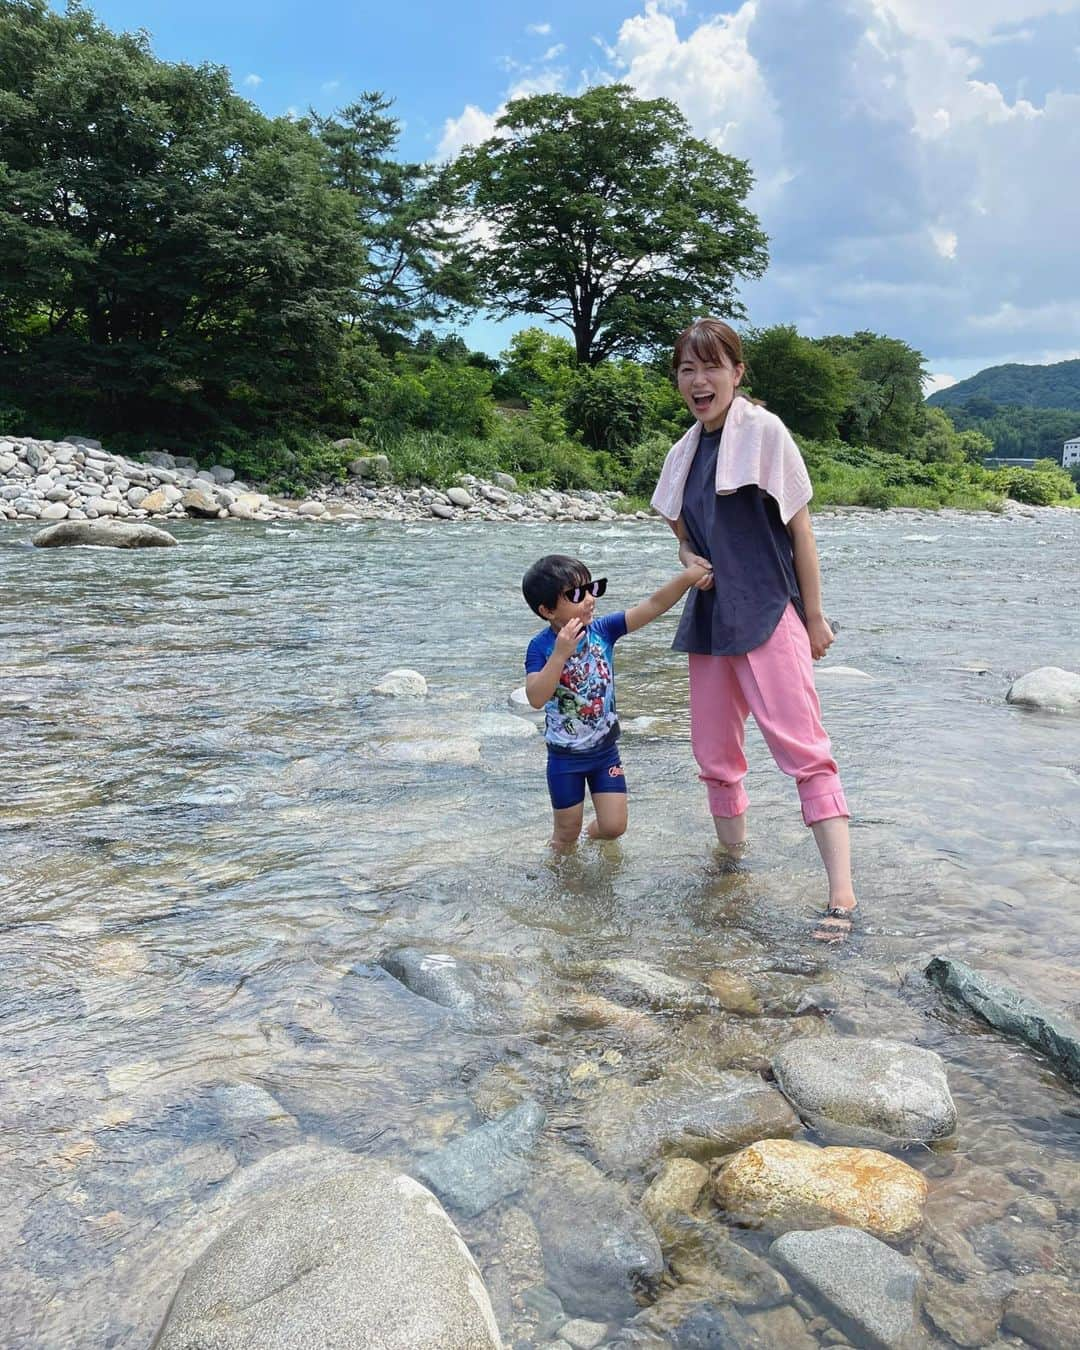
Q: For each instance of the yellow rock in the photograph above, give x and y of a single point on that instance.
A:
(733, 992)
(154, 501)
(781, 1184)
(676, 1189)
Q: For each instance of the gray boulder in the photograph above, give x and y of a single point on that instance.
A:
(486, 1165)
(483, 993)
(700, 1113)
(597, 1248)
(102, 534)
(1048, 687)
(1010, 1012)
(872, 1092)
(359, 1258)
(199, 502)
(868, 1288)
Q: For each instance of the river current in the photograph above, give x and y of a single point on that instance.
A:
(210, 829)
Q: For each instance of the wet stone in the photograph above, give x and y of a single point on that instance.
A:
(486, 1165)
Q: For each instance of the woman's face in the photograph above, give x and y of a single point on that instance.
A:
(708, 386)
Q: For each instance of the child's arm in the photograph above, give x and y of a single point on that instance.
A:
(669, 594)
(541, 684)
(808, 575)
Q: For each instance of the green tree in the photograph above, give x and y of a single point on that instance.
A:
(800, 381)
(604, 214)
(170, 259)
(885, 407)
(536, 365)
(607, 406)
(414, 270)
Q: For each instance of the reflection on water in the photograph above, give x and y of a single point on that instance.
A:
(211, 830)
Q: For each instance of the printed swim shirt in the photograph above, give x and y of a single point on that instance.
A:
(581, 714)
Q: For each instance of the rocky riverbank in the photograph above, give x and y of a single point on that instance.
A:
(77, 479)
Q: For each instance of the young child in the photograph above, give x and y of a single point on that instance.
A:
(735, 492)
(569, 673)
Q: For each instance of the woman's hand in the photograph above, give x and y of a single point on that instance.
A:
(821, 636)
(689, 558)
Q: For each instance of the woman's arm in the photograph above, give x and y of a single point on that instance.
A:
(808, 575)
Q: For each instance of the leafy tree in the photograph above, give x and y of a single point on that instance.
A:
(1017, 433)
(1051, 386)
(169, 258)
(536, 365)
(604, 214)
(414, 268)
(885, 407)
(800, 381)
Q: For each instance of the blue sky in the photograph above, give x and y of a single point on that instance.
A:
(916, 162)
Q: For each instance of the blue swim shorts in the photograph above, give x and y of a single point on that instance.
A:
(567, 775)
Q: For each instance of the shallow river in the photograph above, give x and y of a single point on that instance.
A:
(210, 829)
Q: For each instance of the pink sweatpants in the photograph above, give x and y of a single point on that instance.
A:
(775, 682)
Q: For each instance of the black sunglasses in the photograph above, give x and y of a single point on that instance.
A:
(594, 588)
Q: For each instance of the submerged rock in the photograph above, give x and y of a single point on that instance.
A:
(1010, 1012)
(102, 534)
(859, 1091)
(360, 1257)
(1048, 687)
(781, 1184)
(483, 993)
(597, 1248)
(486, 1165)
(700, 1113)
(637, 983)
(868, 1288)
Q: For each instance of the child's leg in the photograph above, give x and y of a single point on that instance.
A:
(778, 682)
(566, 787)
(718, 711)
(607, 785)
(566, 829)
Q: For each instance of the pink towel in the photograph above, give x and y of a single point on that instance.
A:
(755, 447)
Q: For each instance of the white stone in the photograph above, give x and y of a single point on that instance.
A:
(401, 683)
(459, 496)
(54, 511)
(311, 509)
(1048, 687)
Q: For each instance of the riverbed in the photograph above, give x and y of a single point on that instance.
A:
(210, 829)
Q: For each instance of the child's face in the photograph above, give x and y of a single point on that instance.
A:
(708, 387)
(568, 608)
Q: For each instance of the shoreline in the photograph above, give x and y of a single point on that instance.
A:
(46, 482)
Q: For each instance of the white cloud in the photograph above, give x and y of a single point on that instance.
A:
(329, 86)
(944, 241)
(538, 29)
(553, 52)
(473, 126)
(253, 81)
(932, 383)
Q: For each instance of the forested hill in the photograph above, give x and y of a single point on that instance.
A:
(1056, 386)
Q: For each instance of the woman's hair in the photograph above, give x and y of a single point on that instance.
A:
(712, 340)
(549, 577)
(708, 340)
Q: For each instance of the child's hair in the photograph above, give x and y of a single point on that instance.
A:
(549, 576)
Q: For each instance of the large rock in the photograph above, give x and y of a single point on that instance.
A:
(361, 1258)
(858, 1091)
(484, 993)
(597, 1248)
(401, 683)
(868, 1288)
(1010, 1012)
(627, 980)
(486, 1165)
(700, 1113)
(780, 1184)
(1048, 687)
(198, 502)
(102, 534)
(1046, 1313)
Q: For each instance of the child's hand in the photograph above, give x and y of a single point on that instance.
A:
(701, 573)
(821, 636)
(568, 637)
(703, 579)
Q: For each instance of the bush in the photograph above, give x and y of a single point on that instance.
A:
(607, 406)
(435, 396)
(1036, 487)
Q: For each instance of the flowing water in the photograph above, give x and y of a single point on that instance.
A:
(210, 829)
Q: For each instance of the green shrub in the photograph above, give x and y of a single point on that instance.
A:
(607, 406)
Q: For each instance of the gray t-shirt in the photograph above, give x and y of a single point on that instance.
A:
(742, 535)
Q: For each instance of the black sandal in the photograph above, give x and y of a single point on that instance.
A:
(835, 924)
